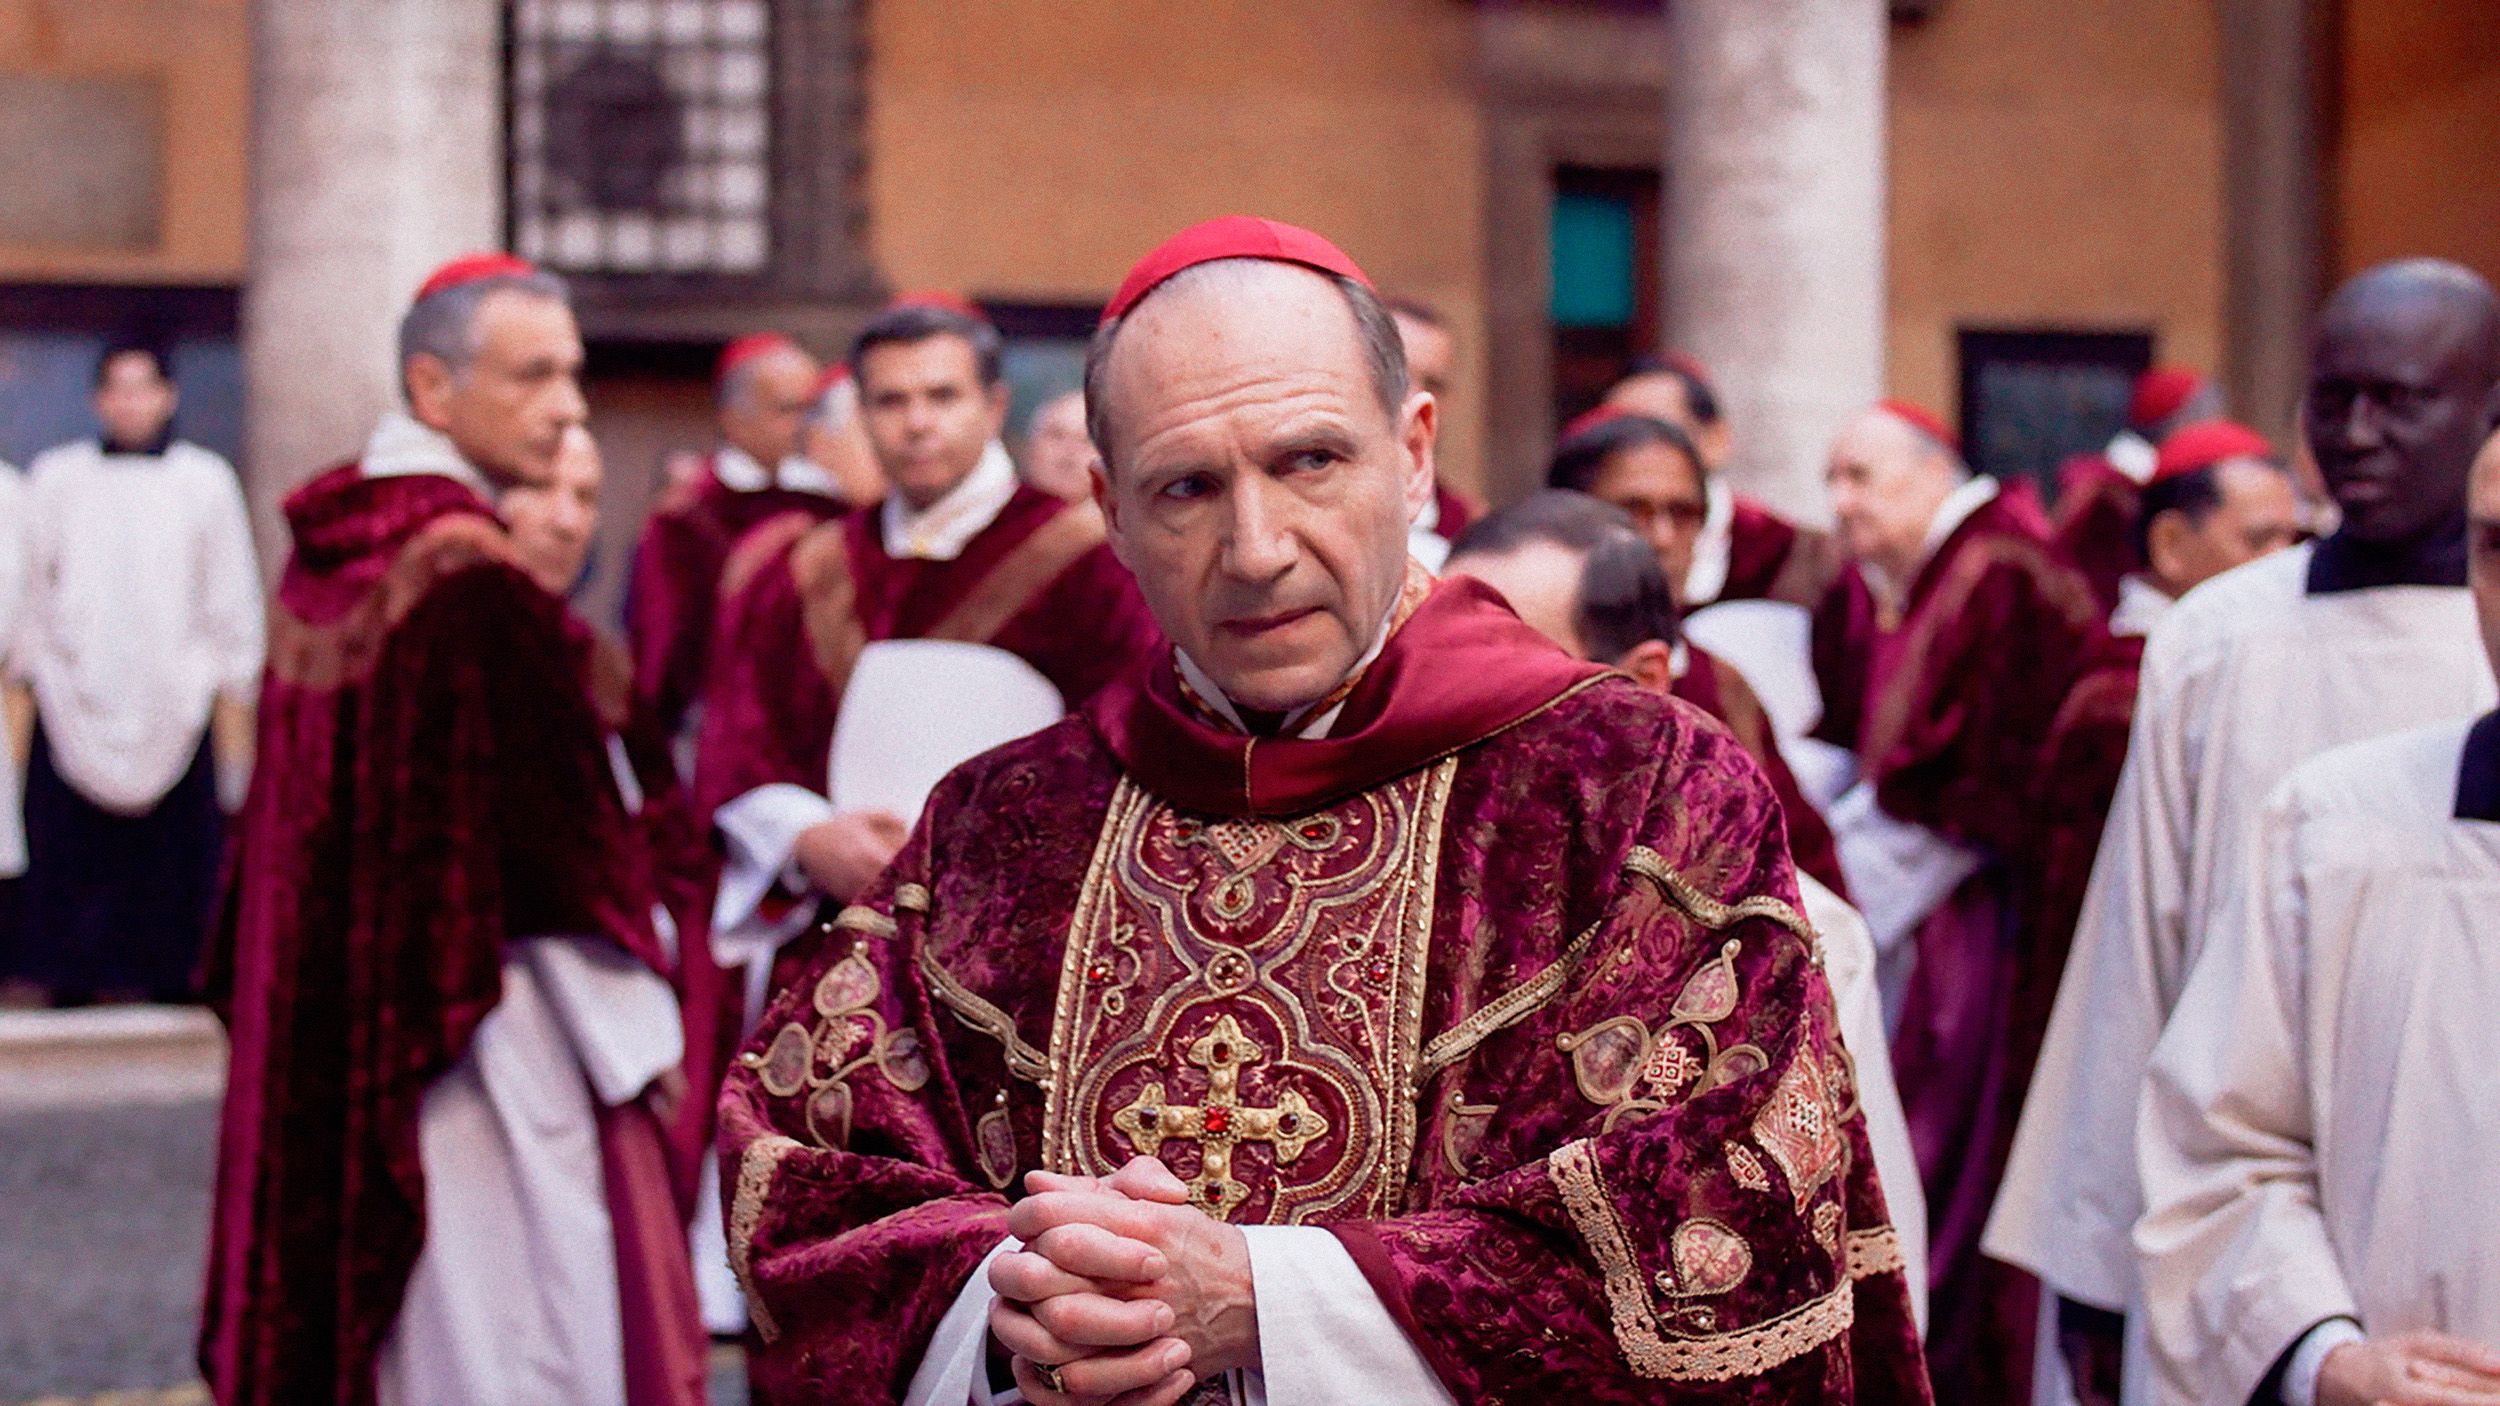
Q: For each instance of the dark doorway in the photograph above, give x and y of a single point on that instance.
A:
(2032, 398)
(1604, 277)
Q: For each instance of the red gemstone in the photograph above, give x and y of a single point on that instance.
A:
(1098, 973)
(1313, 832)
(1218, 1119)
(1378, 971)
(1286, 1123)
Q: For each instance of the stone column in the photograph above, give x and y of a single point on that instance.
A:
(377, 152)
(2277, 91)
(1774, 217)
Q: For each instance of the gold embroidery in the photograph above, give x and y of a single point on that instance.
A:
(1716, 1357)
(1023, 1061)
(1747, 1169)
(746, 1211)
(849, 1036)
(861, 918)
(1800, 1127)
(820, 569)
(1462, 1127)
(1873, 1252)
(1623, 1068)
(1222, 1121)
(1243, 997)
(994, 1142)
(1827, 1226)
(1507, 1009)
(331, 654)
(911, 898)
(1711, 912)
(1710, 1259)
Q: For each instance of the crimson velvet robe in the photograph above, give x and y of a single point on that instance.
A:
(1771, 558)
(1502, 982)
(1946, 709)
(1714, 686)
(674, 591)
(433, 780)
(800, 600)
(2097, 507)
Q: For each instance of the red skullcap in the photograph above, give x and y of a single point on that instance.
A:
(2203, 446)
(1231, 237)
(474, 268)
(1689, 364)
(1923, 420)
(941, 299)
(2159, 393)
(749, 348)
(1588, 420)
(834, 375)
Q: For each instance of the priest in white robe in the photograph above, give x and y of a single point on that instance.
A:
(2366, 633)
(142, 625)
(2318, 1139)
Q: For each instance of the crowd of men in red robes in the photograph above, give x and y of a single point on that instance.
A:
(482, 832)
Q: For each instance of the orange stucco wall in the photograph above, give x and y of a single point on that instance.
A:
(2417, 167)
(1030, 150)
(199, 51)
(2055, 163)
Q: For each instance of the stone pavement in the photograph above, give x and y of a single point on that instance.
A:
(108, 1132)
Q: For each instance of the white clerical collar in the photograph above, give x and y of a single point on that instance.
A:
(2140, 603)
(1715, 547)
(739, 472)
(2133, 455)
(941, 531)
(1302, 723)
(400, 446)
(1976, 493)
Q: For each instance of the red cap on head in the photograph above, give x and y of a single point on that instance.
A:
(1689, 364)
(2159, 394)
(1588, 420)
(474, 268)
(941, 299)
(834, 375)
(2203, 446)
(1231, 237)
(1923, 420)
(749, 348)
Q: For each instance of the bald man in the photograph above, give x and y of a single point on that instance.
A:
(767, 388)
(1944, 654)
(1361, 1001)
(2367, 632)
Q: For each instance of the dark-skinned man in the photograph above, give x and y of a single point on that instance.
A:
(2367, 632)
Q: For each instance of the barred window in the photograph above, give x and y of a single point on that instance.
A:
(640, 135)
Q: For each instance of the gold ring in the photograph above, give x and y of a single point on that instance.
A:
(1050, 1377)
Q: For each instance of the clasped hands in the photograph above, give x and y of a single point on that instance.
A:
(1130, 1293)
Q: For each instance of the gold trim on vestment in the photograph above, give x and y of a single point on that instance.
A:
(746, 1211)
(1509, 1008)
(1712, 913)
(332, 654)
(820, 570)
(1716, 1357)
(1873, 1252)
(1352, 1045)
(1008, 588)
(1023, 1061)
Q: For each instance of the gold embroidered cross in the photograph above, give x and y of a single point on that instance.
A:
(1220, 1123)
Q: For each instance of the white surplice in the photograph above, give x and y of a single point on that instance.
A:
(2243, 679)
(514, 1297)
(2320, 1125)
(12, 605)
(143, 606)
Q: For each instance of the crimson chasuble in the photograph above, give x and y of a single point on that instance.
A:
(433, 781)
(1502, 982)
(1713, 685)
(1946, 708)
(2097, 508)
(1039, 582)
(674, 591)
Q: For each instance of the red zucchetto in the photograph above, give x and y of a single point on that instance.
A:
(1231, 237)
(1923, 420)
(475, 268)
(2203, 446)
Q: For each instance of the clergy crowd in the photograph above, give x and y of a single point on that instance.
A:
(1202, 910)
